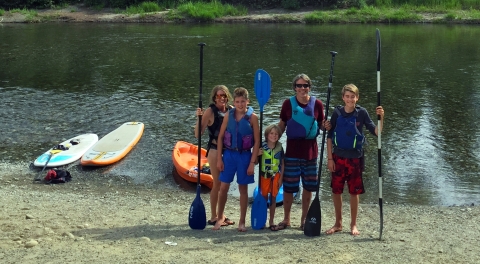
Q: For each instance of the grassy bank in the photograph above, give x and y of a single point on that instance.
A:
(217, 12)
(404, 14)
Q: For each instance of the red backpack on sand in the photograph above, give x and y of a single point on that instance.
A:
(57, 176)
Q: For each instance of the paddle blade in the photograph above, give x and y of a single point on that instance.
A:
(197, 217)
(263, 85)
(259, 212)
(313, 222)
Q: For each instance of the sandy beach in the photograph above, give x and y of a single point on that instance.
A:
(115, 221)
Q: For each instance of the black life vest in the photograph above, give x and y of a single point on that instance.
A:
(214, 129)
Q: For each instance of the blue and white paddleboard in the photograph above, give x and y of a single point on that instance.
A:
(67, 152)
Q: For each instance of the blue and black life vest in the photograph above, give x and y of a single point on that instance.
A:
(346, 134)
(239, 135)
(303, 123)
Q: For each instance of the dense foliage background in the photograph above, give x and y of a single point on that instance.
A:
(258, 4)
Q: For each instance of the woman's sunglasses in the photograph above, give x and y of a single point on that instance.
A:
(299, 85)
(220, 96)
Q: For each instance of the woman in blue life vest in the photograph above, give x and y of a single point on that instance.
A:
(301, 117)
(239, 133)
(345, 153)
(212, 119)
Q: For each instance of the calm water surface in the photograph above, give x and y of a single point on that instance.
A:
(61, 80)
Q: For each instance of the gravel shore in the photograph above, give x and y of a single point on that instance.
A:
(114, 221)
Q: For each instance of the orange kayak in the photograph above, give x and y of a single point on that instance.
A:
(185, 160)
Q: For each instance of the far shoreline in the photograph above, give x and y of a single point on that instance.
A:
(82, 14)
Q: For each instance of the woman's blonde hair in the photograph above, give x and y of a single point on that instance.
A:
(217, 88)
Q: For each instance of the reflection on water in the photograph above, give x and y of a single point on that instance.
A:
(61, 80)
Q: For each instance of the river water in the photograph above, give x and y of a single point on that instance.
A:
(61, 80)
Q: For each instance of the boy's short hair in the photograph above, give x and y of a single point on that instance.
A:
(240, 92)
(350, 88)
(301, 76)
(269, 129)
(213, 94)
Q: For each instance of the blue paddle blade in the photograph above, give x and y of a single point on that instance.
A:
(259, 212)
(263, 85)
(197, 217)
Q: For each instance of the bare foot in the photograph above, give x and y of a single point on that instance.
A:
(218, 224)
(242, 228)
(334, 230)
(355, 231)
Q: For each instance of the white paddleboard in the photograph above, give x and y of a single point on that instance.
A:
(67, 152)
(114, 146)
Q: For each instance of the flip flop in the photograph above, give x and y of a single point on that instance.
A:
(282, 226)
(228, 221)
(273, 228)
(333, 230)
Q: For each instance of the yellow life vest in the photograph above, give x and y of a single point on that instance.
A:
(271, 159)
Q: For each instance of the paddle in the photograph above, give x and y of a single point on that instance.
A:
(379, 143)
(313, 221)
(262, 86)
(197, 218)
(38, 177)
(52, 152)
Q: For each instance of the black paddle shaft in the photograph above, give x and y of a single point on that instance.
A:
(379, 144)
(313, 221)
(326, 116)
(260, 159)
(200, 117)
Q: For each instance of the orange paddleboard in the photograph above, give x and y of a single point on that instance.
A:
(114, 146)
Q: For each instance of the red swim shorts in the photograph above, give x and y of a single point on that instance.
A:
(347, 170)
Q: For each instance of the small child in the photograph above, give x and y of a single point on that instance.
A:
(239, 133)
(345, 153)
(272, 166)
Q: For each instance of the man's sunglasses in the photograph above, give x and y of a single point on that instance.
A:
(299, 85)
